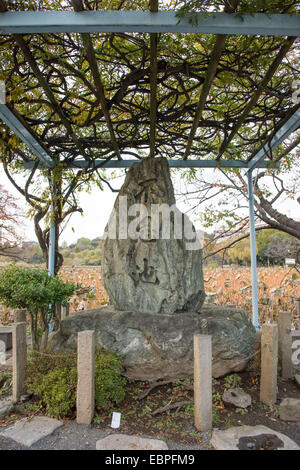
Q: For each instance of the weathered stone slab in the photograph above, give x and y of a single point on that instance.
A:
(161, 346)
(151, 269)
(19, 359)
(6, 406)
(85, 401)
(285, 344)
(125, 442)
(237, 397)
(269, 362)
(230, 438)
(202, 382)
(289, 409)
(20, 315)
(29, 431)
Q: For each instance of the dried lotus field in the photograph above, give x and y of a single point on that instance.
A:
(279, 287)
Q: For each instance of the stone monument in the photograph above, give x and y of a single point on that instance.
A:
(152, 271)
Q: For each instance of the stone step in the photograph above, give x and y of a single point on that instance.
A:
(253, 437)
(29, 431)
(126, 442)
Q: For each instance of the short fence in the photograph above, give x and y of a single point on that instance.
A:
(276, 348)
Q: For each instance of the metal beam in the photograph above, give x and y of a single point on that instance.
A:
(28, 22)
(153, 6)
(291, 125)
(51, 257)
(255, 313)
(51, 250)
(17, 127)
(172, 164)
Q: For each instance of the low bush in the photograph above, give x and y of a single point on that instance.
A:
(54, 380)
(37, 292)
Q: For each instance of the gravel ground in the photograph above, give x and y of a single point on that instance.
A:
(72, 436)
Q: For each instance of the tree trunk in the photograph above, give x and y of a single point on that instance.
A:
(43, 239)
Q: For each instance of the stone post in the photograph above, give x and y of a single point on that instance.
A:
(269, 361)
(20, 315)
(257, 347)
(65, 310)
(203, 382)
(86, 376)
(298, 306)
(19, 359)
(285, 344)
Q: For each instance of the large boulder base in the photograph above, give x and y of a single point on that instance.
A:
(151, 273)
(154, 347)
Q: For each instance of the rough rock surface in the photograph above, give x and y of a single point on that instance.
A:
(6, 406)
(151, 274)
(28, 431)
(161, 346)
(125, 442)
(230, 438)
(237, 397)
(289, 409)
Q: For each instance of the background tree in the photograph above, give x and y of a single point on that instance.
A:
(281, 247)
(97, 96)
(221, 202)
(10, 220)
(84, 252)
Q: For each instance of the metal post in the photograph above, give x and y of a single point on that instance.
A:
(51, 252)
(255, 316)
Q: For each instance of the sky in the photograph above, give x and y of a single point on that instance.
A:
(96, 210)
(98, 205)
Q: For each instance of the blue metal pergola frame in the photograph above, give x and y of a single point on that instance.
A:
(172, 163)
(20, 130)
(30, 22)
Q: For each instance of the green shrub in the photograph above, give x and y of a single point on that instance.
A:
(35, 290)
(109, 384)
(54, 380)
(233, 381)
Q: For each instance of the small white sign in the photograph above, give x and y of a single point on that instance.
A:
(290, 261)
(116, 420)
